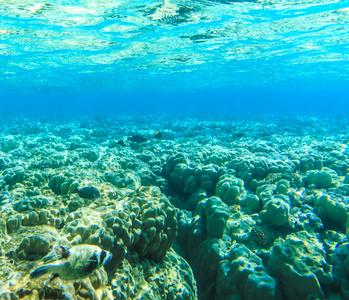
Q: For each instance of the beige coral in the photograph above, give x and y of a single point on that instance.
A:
(146, 279)
(94, 287)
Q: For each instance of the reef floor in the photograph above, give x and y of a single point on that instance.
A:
(248, 207)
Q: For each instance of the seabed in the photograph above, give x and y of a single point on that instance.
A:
(248, 207)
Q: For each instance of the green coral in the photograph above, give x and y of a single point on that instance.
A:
(276, 212)
(230, 189)
(321, 179)
(215, 214)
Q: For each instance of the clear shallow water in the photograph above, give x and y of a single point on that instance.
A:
(217, 59)
(176, 49)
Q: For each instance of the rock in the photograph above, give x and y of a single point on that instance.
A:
(89, 192)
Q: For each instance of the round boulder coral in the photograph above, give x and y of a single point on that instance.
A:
(215, 213)
(275, 212)
(230, 189)
(322, 179)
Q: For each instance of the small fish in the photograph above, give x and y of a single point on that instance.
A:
(158, 135)
(238, 135)
(137, 139)
(89, 192)
(75, 263)
(121, 143)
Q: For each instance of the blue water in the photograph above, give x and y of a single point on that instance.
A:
(122, 71)
(174, 56)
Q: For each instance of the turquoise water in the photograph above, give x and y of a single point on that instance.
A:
(190, 50)
(204, 144)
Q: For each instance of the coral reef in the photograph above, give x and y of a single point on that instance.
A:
(211, 209)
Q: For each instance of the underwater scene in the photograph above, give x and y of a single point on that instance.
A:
(174, 149)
